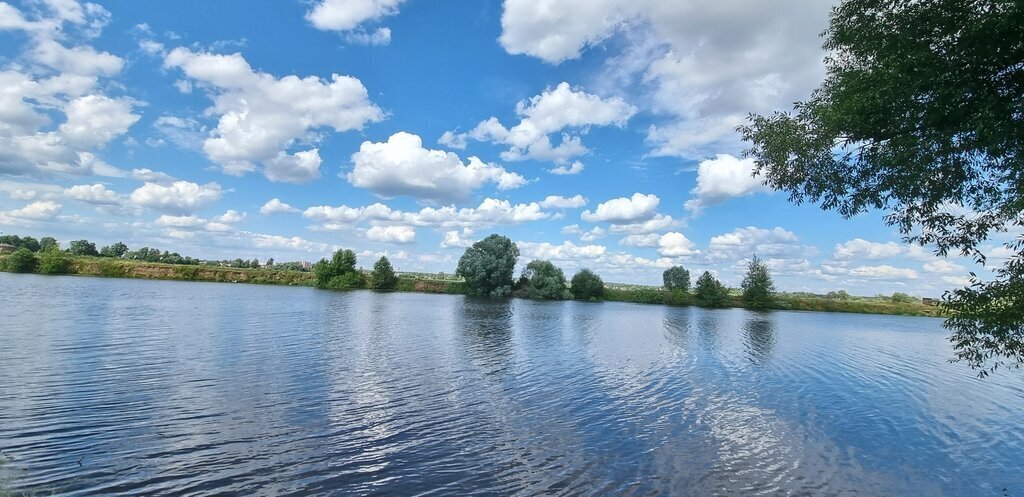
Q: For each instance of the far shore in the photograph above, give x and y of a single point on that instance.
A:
(120, 268)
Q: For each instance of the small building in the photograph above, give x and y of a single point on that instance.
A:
(6, 248)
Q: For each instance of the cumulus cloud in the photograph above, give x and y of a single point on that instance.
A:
(565, 170)
(456, 239)
(659, 222)
(559, 110)
(566, 251)
(151, 176)
(345, 15)
(859, 248)
(180, 197)
(884, 272)
(943, 267)
(62, 82)
(624, 210)
(744, 242)
(43, 210)
(93, 194)
(560, 202)
(722, 178)
(675, 244)
(392, 234)
(276, 206)
(401, 166)
(261, 116)
(703, 65)
(490, 212)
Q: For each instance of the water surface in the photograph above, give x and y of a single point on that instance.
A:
(137, 387)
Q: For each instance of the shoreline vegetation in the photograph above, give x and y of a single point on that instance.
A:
(540, 280)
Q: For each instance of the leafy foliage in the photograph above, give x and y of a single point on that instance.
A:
(921, 115)
(53, 261)
(757, 285)
(709, 292)
(676, 278)
(26, 242)
(340, 272)
(48, 242)
(383, 276)
(82, 247)
(21, 261)
(587, 285)
(547, 281)
(903, 298)
(115, 250)
(488, 266)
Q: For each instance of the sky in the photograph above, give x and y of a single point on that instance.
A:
(594, 133)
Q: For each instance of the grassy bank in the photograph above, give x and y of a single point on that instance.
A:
(120, 268)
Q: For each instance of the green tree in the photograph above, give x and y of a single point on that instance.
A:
(53, 261)
(587, 285)
(709, 292)
(838, 295)
(340, 272)
(488, 266)
(48, 242)
(920, 115)
(30, 243)
(676, 278)
(383, 276)
(547, 281)
(82, 247)
(115, 250)
(903, 298)
(21, 261)
(757, 285)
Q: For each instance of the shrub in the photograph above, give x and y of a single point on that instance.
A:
(83, 247)
(757, 285)
(709, 292)
(53, 261)
(348, 281)
(21, 261)
(587, 285)
(547, 281)
(383, 276)
(903, 298)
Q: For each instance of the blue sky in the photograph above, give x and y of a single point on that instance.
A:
(593, 133)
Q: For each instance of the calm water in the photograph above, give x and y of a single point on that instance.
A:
(147, 388)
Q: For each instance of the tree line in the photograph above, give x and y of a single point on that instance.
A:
(488, 268)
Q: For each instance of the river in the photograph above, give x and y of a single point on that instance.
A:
(133, 387)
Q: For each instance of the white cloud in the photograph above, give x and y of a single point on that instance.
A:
(452, 140)
(641, 240)
(401, 166)
(623, 210)
(859, 248)
(230, 216)
(178, 197)
(566, 251)
(300, 167)
(884, 272)
(722, 178)
(703, 65)
(943, 266)
(262, 116)
(280, 242)
(344, 15)
(455, 239)
(378, 37)
(93, 194)
(962, 281)
(180, 221)
(43, 210)
(659, 222)
(674, 244)
(575, 168)
(560, 202)
(151, 176)
(744, 242)
(490, 212)
(94, 120)
(553, 111)
(392, 234)
(276, 206)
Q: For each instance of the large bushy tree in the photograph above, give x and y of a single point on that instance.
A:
(547, 281)
(53, 261)
(114, 250)
(82, 247)
(757, 285)
(21, 261)
(920, 115)
(709, 292)
(383, 276)
(340, 272)
(587, 285)
(488, 266)
(676, 278)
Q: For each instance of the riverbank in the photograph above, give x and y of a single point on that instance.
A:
(120, 268)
